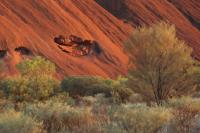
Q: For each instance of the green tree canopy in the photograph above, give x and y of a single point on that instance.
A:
(36, 66)
(161, 64)
(35, 82)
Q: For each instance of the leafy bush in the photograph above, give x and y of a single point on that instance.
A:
(85, 86)
(89, 86)
(36, 67)
(43, 87)
(22, 89)
(185, 120)
(61, 117)
(186, 110)
(140, 118)
(163, 65)
(16, 88)
(120, 90)
(36, 81)
(16, 122)
(189, 102)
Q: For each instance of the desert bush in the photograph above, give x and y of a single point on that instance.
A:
(43, 87)
(90, 86)
(89, 100)
(16, 88)
(186, 112)
(136, 98)
(120, 90)
(185, 120)
(16, 122)
(58, 116)
(35, 82)
(120, 95)
(36, 67)
(163, 66)
(85, 85)
(140, 118)
(21, 89)
(183, 102)
(40, 74)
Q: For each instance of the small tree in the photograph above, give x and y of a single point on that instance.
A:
(40, 73)
(36, 81)
(161, 64)
(36, 67)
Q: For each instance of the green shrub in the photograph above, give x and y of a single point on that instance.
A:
(16, 122)
(120, 90)
(36, 81)
(84, 86)
(89, 86)
(42, 87)
(28, 89)
(36, 67)
(16, 88)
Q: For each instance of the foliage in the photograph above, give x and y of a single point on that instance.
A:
(185, 120)
(36, 67)
(186, 110)
(43, 87)
(76, 85)
(36, 81)
(98, 115)
(16, 88)
(120, 90)
(183, 102)
(140, 118)
(163, 65)
(89, 86)
(58, 117)
(22, 89)
(16, 122)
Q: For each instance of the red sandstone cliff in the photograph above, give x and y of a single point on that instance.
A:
(33, 24)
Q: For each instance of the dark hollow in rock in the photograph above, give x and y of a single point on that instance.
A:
(3, 53)
(79, 46)
(23, 50)
(60, 39)
(97, 47)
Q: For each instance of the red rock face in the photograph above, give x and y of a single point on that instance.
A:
(185, 14)
(190, 9)
(33, 24)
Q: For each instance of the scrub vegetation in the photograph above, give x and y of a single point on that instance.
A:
(160, 94)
